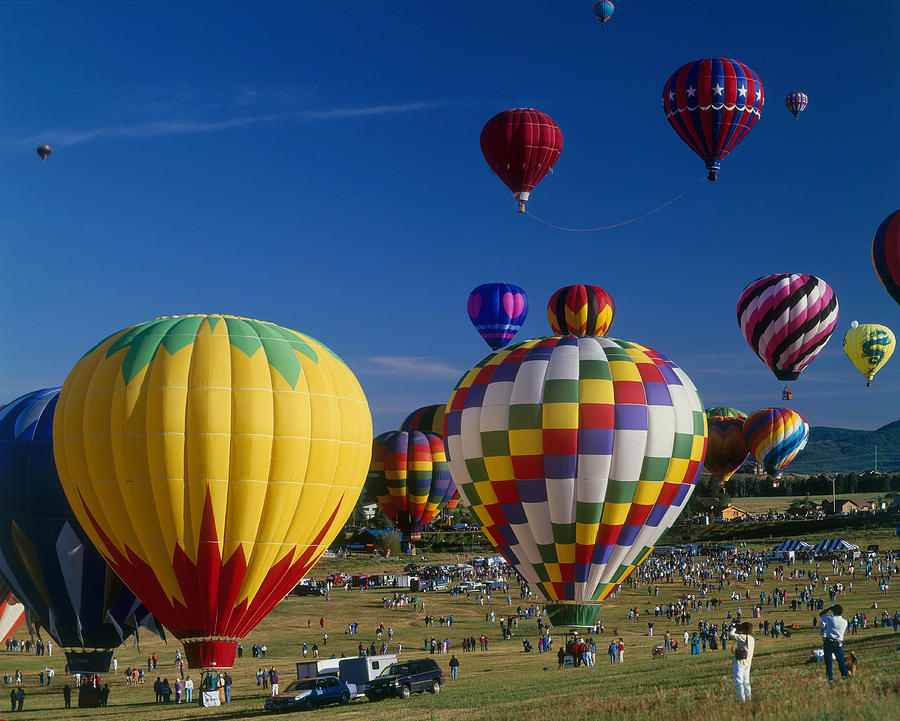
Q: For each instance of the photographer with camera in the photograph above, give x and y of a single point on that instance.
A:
(832, 628)
(744, 644)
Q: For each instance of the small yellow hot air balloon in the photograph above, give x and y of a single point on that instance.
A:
(869, 346)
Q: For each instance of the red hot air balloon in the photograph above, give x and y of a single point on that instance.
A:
(521, 146)
(581, 310)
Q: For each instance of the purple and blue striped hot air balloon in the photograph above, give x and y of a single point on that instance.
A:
(787, 318)
(497, 311)
(796, 102)
(712, 104)
(775, 436)
(603, 10)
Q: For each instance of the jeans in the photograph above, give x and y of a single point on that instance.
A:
(188, 695)
(453, 671)
(228, 694)
(742, 681)
(833, 647)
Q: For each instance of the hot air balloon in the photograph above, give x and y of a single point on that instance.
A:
(576, 454)
(603, 10)
(497, 310)
(43, 152)
(45, 555)
(430, 419)
(409, 479)
(787, 319)
(12, 612)
(775, 436)
(521, 146)
(796, 102)
(237, 446)
(726, 450)
(712, 104)
(886, 254)
(869, 346)
(581, 310)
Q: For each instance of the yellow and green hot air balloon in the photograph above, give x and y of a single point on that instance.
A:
(869, 346)
(211, 459)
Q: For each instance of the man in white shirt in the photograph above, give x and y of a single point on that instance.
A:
(832, 628)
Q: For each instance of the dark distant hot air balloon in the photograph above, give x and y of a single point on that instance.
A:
(787, 318)
(603, 10)
(497, 310)
(409, 479)
(521, 146)
(796, 102)
(45, 555)
(886, 254)
(581, 310)
(726, 449)
(712, 104)
(44, 152)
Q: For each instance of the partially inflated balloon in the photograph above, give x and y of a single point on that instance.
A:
(712, 104)
(869, 346)
(212, 459)
(409, 479)
(576, 454)
(775, 436)
(427, 419)
(45, 554)
(726, 449)
(581, 310)
(796, 102)
(12, 612)
(886, 254)
(521, 146)
(787, 319)
(497, 310)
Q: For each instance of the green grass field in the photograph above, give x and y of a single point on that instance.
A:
(506, 683)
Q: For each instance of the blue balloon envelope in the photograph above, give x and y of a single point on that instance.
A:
(498, 310)
(45, 556)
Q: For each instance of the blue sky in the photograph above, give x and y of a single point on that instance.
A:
(317, 165)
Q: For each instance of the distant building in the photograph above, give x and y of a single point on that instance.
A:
(732, 512)
(848, 506)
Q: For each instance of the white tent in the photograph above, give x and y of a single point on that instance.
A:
(836, 544)
(792, 545)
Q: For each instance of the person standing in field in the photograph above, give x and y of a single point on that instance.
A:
(744, 645)
(454, 667)
(621, 650)
(833, 628)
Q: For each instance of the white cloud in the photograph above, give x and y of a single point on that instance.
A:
(411, 366)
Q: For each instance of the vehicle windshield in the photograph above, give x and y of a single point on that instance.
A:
(395, 669)
(307, 684)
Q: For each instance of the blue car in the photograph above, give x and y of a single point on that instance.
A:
(310, 693)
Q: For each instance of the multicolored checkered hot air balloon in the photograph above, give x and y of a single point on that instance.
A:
(497, 310)
(775, 436)
(726, 449)
(409, 479)
(211, 459)
(712, 104)
(576, 454)
(787, 318)
(869, 346)
(521, 145)
(796, 102)
(886, 254)
(430, 419)
(45, 554)
(581, 310)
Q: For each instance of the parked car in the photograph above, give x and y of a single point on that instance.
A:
(309, 694)
(406, 678)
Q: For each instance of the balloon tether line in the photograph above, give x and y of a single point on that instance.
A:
(624, 222)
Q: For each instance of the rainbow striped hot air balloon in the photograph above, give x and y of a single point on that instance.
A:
(430, 419)
(581, 310)
(211, 459)
(726, 450)
(775, 436)
(409, 479)
(576, 454)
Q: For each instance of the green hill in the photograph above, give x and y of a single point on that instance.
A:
(841, 450)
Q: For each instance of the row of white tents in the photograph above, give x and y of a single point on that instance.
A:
(829, 544)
